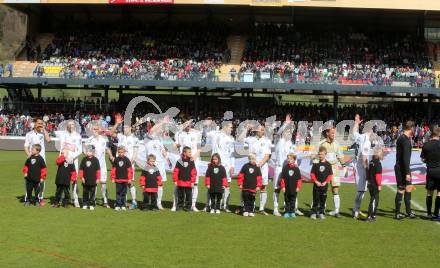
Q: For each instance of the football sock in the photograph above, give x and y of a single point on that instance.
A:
(159, 195)
(337, 202)
(133, 193)
(276, 195)
(429, 204)
(195, 193)
(263, 200)
(437, 206)
(408, 202)
(226, 197)
(398, 202)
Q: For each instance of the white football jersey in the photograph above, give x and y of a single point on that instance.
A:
(224, 144)
(100, 143)
(130, 143)
(259, 146)
(33, 137)
(155, 147)
(282, 149)
(191, 139)
(364, 144)
(211, 138)
(71, 142)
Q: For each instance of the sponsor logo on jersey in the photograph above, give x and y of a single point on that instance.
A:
(33, 161)
(151, 171)
(291, 172)
(121, 163)
(185, 164)
(215, 170)
(88, 163)
(321, 169)
(66, 164)
(251, 170)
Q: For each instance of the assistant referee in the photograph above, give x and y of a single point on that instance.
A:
(403, 171)
(431, 156)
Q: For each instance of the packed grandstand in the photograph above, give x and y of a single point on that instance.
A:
(273, 52)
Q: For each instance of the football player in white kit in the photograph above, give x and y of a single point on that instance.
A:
(189, 137)
(100, 143)
(37, 136)
(261, 147)
(223, 143)
(154, 146)
(70, 141)
(130, 142)
(360, 163)
(282, 149)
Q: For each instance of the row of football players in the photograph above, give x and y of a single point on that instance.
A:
(184, 176)
(222, 143)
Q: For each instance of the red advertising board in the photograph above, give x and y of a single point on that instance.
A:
(140, 2)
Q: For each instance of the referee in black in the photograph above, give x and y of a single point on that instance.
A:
(431, 156)
(403, 172)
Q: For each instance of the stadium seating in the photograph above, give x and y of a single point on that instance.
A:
(282, 53)
(52, 71)
(278, 53)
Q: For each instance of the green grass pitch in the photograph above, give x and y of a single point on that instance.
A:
(48, 237)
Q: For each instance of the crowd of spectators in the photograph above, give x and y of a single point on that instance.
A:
(273, 52)
(283, 53)
(17, 123)
(46, 105)
(6, 70)
(186, 52)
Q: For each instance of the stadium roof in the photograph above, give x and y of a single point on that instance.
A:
(379, 4)
(277, 88)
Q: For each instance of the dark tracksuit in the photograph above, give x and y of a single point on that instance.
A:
(290, 181)
(321, 172)
(150, 180)
(401, 169)
(431, 156)
(36, 170)
(249, 179)
(215, 178)
(122, 172)
(374, 181)
(184, 175)
(66, 174)
(90, 171)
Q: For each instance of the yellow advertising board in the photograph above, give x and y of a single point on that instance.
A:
(379, 4)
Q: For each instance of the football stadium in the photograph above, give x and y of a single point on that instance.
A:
(219, 133)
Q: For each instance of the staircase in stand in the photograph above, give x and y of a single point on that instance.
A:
(236, 43)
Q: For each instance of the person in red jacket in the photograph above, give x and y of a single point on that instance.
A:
(290, 184)
(249, 180)
(374, 184)
(121, 174)
(150, 181)
(215, 181)
(184, 177)
(66, 174)
(90, 175)
(320, 175)
(34, 171)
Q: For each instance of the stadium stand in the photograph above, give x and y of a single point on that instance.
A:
(190, 52)
(273, 52)
(14, 122)
(282, 53)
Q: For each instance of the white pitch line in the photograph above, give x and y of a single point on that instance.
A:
(414, 203)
